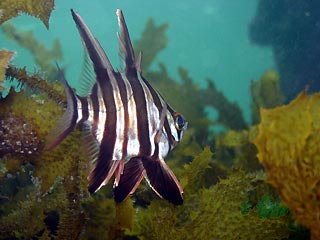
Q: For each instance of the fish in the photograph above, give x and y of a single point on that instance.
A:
(128, 128)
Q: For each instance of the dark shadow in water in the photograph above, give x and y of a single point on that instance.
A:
(292, 29)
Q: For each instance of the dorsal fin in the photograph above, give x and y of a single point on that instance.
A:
(126, 49)
(87, 77)
(139, 62)
(92, 45)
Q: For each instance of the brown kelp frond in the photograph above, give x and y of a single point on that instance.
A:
(44, 58)
(36, 82)
(265, 93)
(152, 41)
(221, 205)
(20, 197)
(288, 147)
(33, 118)
(230, 114)
(234, 148)
(40, 9)
(5, 58)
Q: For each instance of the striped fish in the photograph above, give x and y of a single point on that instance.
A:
(128, 127)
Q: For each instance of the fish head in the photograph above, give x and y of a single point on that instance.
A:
(178, 126)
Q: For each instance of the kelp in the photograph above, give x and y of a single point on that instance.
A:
(265, 93)
(40, 9)
(234, 148)
(66, 164)
(152, 36)
(152, 41)
(220, 206)
(36, 83)
(288, 148)
(235, 203)
(24, 211)
(43, 57)
(5, 58)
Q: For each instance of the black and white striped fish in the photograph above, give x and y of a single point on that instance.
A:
(130, 126)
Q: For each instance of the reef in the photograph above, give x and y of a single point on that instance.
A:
(43, 194)
(292, 30)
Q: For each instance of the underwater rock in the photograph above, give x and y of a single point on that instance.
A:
(288, 147)
(40, 9)
(291, 28)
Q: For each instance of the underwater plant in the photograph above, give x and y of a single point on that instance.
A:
(265, 93)
(44, 58)
(50, 187)
(5, 58)
(288, 148)
(40, 9)
(221, 206)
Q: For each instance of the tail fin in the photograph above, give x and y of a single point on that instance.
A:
(162, 180)
(69, 119)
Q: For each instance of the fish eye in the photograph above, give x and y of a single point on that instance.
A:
(179, 121)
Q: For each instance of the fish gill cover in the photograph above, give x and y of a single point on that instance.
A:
(43, 194)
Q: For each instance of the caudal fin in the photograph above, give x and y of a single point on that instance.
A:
(69, 119)
(162, 180)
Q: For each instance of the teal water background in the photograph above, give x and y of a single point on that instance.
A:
(208, 38)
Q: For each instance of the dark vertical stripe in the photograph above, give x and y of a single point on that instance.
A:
(124, 99)
(156, 98)
(142, 114)
(95, 108)
(104, 163)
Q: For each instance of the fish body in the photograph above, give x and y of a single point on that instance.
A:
(128, 127)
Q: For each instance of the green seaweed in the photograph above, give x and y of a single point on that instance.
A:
(268, 208)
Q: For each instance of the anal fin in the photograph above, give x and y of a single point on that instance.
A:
(130, 179)
(102, 173)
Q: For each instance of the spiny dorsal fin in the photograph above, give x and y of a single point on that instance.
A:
(125, 43)
(92, 45)
(139, 63)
